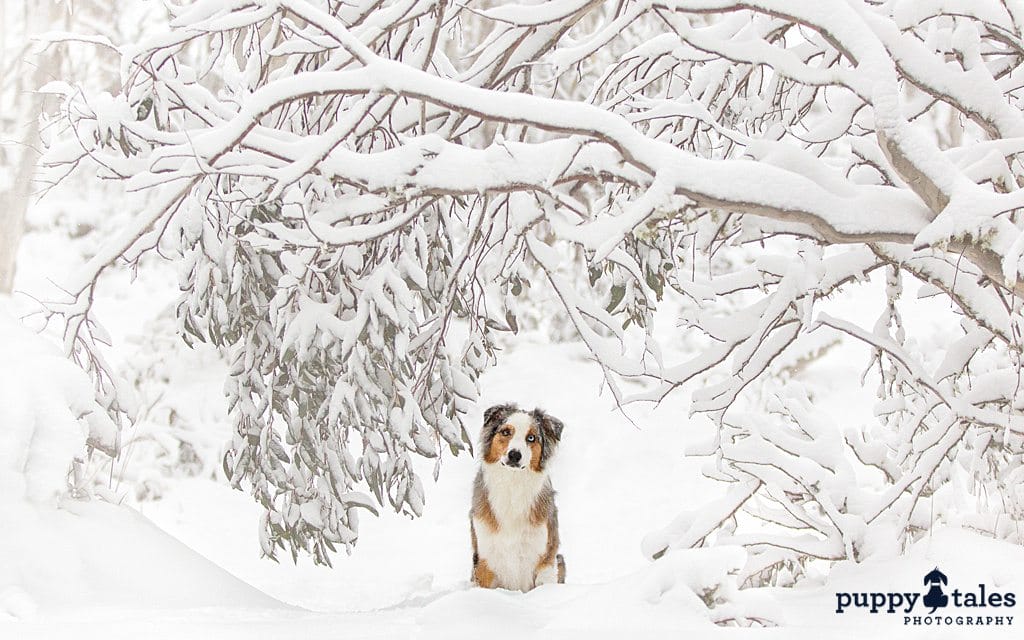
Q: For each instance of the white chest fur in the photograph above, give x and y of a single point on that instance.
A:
(512, 552)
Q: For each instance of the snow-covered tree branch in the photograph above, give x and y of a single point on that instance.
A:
(358, 194)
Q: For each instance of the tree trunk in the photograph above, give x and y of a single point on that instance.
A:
(14, 203)
(27, 72)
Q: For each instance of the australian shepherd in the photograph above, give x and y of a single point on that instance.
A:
(513, 522)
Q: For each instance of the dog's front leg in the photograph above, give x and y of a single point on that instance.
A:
(549, 569)
(483, 576)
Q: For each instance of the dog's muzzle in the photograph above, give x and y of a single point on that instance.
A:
(514, 457)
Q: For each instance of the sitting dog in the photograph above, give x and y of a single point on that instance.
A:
(513, 522)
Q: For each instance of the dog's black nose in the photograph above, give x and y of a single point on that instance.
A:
(514, 456)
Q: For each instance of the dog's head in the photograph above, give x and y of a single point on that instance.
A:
(519, 439)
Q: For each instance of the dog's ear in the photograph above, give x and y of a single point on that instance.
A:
(551, 428)
(498, 412)
(493, 418)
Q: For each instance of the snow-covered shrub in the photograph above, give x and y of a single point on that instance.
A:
(179, 429)
(49, 417)
(358, 193)
(809, 483)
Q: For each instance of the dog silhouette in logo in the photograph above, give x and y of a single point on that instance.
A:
(935, 598)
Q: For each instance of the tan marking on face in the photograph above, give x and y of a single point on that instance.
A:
(535, 447)
(483, 576)
(499, 443)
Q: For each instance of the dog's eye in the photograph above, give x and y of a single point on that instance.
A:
(531, 438)
(506, 432)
